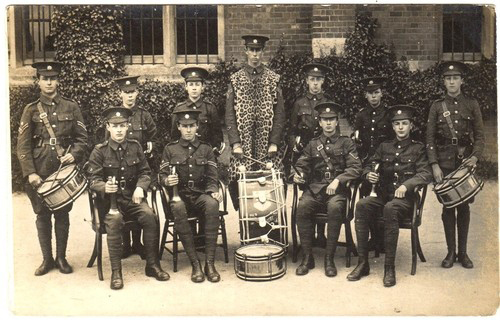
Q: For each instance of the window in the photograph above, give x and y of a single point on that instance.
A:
(462, 32)
(143, 34)
(196, 33)
(36, 43)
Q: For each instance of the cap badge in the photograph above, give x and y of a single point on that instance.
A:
(118, 114)
(186, 116)
(49, 67)
(371, 82)
(327, 110)
(399, 112)
(193, 73)
(451, 67)
(127, 82)
(255, 41)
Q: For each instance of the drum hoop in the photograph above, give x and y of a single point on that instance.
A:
(61, 183)
(281, 252)
(261, 278)
(474, 193)
(453, 185)
(72, 198)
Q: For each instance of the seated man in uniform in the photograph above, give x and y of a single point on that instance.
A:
(195, 176)
(327, 164)
(124, 159)
(403, 166)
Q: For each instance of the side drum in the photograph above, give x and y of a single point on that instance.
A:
(458, 187)
(260, 262)
(63, 188)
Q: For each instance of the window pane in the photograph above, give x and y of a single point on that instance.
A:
(196, 29)
(143, 30)
(462, 28)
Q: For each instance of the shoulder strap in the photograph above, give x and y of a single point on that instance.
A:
(43, 117)
(322, 152)
(446, 114)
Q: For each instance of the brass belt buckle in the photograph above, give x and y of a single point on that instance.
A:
(328, 175)
(454, 141)
(190, 184)
(53, 141)
(43, 115)
(123, 184)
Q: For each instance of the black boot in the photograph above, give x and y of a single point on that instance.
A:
(306, 264)
(63, 265)
(157, 272)
(62, 231)
(448, 261)
(197, 275)
(211, 272)
(45, 267)
(116, 280)
(330, 269)
(362, 269)
(464, 259)
(389, 275)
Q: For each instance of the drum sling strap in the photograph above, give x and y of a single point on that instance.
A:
(53, 138)
(322, 152)
(454, 139)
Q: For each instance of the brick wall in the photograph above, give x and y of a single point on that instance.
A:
(334, 21)
(273, 21)
(491, 140)
(413, 30)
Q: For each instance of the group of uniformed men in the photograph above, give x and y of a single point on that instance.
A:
(381, 153)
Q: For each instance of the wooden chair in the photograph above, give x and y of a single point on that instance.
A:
(100, 229)
(411, 224)
(169, 227)
(323, 218)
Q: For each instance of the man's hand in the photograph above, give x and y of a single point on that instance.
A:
(216, 196)
(298, 179)
(272, 150)
(138, 195)
(67, 159)
(332, 187)
(470, 162)
(237, 151)
(437, 172)
(373, 177)
(34, 180)
(400, 192)
(172, 180)
(110, 188)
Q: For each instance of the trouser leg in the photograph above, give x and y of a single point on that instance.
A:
(306, 208)
(336, 207)
(394, 210)
(463, 221)
(366, 211)
(44, 231)
(62, 232)
(449, 221)
(114, 226)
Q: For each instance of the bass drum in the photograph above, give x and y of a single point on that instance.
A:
(260, 262)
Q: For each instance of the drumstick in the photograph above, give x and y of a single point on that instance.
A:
(254, 160)
(60, 166)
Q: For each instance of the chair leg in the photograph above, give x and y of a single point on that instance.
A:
(163, 239)
(413, 252)
(348, 244)
(99, 257)
(93, 256)
(224, 238)
(419, 248)
(295, 247)
(175, 249)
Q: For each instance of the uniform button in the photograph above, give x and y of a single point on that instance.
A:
(396, 164)
(456, 131)
(373, 120)
(130, 133)
(315, 117)
(373, 113)
(53, 148)
(189, 147)
(394, 183)
(119, 148)
(314, 98)
(373, 128)
(53, 125)
(399, 146)
(123, 168)
(190, 165)
(109, 165)
(189, 157)
(53, 103)
(194, 107)
(455, 102)
(397, 154)
(190, 174)
(54, 113)
(123, 177)
(177, 162)
(140, 127)
(456, 111)
(328, 148)
(456, 121)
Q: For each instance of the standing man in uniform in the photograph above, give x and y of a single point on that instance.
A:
(196, 178)
(327, 164)
(455, 136)
(51, 134)
(304, 123)
(123, 159)
(255, 115)
(404, 166)
(209, 129)
(372, 126)
(143, 129)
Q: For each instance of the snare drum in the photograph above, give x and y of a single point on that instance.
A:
(458, 187)
(262, 211)
(57, 192)
(260, 262)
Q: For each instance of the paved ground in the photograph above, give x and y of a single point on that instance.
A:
(432, 291)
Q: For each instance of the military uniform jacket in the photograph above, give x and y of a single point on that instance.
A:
(468, 124)
(401, 163)
(279, 117)
(342, 155)
(194, 163)
(374, 125)
(210, 128)
(34, 151)
(304, 118)
(125, 161)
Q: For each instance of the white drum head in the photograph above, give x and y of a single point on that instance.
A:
(63, 173)
(256, 250)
